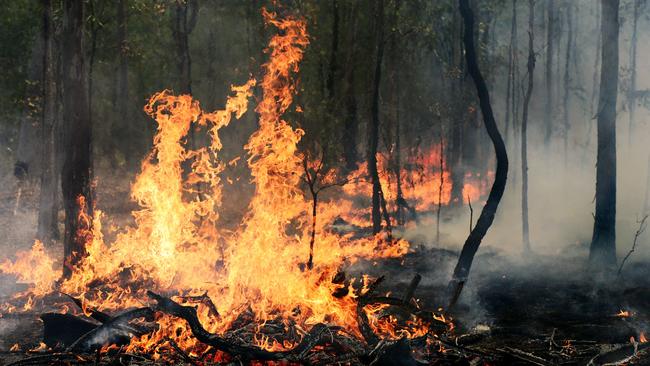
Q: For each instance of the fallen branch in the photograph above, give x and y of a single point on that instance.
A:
(242, 352)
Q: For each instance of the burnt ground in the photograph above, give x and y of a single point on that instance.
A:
(539, 311)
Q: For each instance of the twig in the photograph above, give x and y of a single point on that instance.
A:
(639, 231)
(525, 356)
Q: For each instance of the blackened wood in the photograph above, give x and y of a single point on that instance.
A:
(63, 329)
(486, 218)
(77, 167)
(602, 254)
(373, 134)
(48, 228)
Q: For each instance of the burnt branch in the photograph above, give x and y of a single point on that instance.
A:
(639, 231)
(242, 352)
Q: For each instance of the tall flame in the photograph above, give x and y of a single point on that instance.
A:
(176, 244)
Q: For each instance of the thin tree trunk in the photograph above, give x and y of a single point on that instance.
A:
(516, 94)
(458, 101)
(486, 218)
(509, 87)
(567, 82)
(595, 87)
(350, 121)
(374, 127)
(48, 228)
(602, 253)
(550, 35)
(121, 87)
(185, 18)
(631, 98)
(312, 239)
(524, 130)
(442, 183)
(333, 71)
(77, 167)
(646, 200)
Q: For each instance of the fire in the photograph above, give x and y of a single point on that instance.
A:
(624, 314)
(176, 245)
(35, 267)
(425, 182)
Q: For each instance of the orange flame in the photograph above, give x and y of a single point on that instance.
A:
(176, 244)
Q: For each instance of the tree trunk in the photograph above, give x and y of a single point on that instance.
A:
(509, 87)
(121, 86)
(567, 82)
(374, 126)
(48, 228)
(524, 130)
(594, 83)
(602, 253)
(548, 108)
(350, 120)
(185, 18)
(631, 99)
(28, 153)
(458, 101)
(77, 167)
(333, 71)
(486, 218)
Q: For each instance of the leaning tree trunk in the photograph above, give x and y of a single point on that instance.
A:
(374, 126)
(524, 131)
(48, 228)
(77, 167)
(486, 218)
(602, 253)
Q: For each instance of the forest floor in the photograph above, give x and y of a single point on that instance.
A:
(539, 311)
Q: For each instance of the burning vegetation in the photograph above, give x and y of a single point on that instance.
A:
(303, 276)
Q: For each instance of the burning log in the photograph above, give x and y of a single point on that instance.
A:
(64, 329)
(114, 331)
(243, 352)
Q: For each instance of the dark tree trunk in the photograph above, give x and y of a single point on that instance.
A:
(48, 228)
(350, 120)
(184, 21)
(77, 167)
(548, 108)
(486, 218)
(602, 253)
(333, 71)
(631, 99)
(373, 135)
(524, 130)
